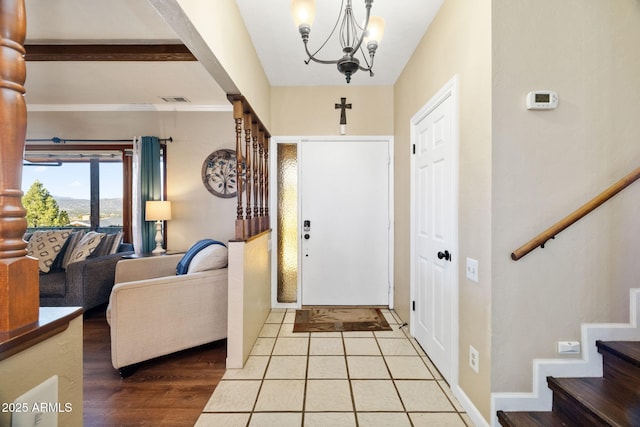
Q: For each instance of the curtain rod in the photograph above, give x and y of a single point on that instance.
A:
(57, 140)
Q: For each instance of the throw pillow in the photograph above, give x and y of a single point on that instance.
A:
(183, 265)
(86, 246)
(209, 258)
(45, 246)
(116, 242)
(109, 245)
(73, 242)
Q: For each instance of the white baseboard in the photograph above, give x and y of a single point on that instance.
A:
(469, 407)
(590, 365)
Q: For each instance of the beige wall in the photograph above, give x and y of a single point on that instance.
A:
(197, 214)
(310, 110)
(457, 43)
(547, 163)
(249, 295)
(59, 355)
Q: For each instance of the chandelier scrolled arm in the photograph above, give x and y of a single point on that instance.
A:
(351, 35)
(304, 32)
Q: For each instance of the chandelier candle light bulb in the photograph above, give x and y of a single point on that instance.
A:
(304, 12)
(351, 35)
(375, 31)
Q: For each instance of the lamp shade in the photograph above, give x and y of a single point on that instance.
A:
(303, 11)
(157, 210)
(375, 29)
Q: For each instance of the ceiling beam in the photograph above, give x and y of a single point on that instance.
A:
(108, 52)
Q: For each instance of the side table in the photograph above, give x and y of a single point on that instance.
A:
(149, 254)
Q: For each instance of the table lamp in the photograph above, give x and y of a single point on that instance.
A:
(158, 211)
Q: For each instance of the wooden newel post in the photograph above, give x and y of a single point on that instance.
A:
(19, 282)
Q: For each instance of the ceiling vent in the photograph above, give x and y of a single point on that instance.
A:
(174, 99)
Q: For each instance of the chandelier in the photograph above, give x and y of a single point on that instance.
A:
(351, 35)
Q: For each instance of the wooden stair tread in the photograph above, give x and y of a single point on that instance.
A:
(611, 400)
(530, 419)
(627, 350)
(614, 404)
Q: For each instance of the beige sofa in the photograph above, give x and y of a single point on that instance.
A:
(154, 312)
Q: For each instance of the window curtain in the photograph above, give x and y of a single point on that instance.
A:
(146, 180)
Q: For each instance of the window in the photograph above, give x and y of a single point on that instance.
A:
(86, 184)
(97, 176)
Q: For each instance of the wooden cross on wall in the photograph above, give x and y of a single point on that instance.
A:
(343, 106)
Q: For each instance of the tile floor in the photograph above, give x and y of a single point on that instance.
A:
(333, 379)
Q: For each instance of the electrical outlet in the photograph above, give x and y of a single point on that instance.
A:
(472, 269)
(569, 347)
(474, 359)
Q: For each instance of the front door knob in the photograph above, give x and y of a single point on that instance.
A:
(444, 255)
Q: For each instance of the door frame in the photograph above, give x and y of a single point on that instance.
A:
(273, 208)
(449, 90)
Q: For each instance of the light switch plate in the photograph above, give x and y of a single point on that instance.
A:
(472, 269)
(474, 359)
(36, 406)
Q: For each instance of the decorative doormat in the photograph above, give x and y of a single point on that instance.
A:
(337, 319)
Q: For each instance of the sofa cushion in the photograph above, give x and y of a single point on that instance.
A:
(183, 265)
(53, 285)
(209, 258)
(86, 246)
(45, 246)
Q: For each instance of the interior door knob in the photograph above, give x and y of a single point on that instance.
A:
(444, 255)
(306, 236)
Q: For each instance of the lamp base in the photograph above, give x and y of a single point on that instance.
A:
(159, 249)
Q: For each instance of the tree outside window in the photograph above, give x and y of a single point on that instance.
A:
(42, 209)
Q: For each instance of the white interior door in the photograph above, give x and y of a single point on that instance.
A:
(433, 231)
(344, 195)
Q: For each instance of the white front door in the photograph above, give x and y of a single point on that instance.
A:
(434, 259)
(344, 191)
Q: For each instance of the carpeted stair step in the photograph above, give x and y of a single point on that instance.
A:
(531, 419)
(595, 402)
(621, 362)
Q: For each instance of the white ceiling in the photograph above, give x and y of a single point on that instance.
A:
(140, 85)
(110, 86)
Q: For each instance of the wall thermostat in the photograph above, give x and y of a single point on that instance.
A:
(542, 100)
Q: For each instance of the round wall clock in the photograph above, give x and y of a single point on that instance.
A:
(219, 173)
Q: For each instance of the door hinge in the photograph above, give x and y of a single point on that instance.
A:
(414, 148)
(413, 305)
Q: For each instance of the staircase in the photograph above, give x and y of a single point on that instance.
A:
(610, 400)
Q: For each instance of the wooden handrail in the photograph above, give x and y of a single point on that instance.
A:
(578, 214)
